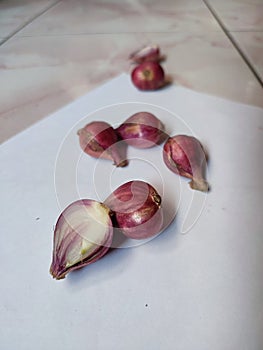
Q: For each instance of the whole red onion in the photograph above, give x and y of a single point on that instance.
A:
(141, 130)
(99, 140)
(184, 155)
(148, 76)
(137, 209)
(83, 234)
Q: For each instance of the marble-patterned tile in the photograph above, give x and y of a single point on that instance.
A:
(239, 14)
(251, 43)
(14, 13)
(41, 74)
(114, 16)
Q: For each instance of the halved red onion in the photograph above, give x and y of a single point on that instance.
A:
(137, 209)
(184, 155)
(99, 140)
(147, 53)
(141, 130)
(83, 234)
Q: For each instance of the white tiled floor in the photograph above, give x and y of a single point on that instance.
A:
(63, 49)
(243, 19)
(87, 17)
(251, 43)
(245, 15)
(14, 14)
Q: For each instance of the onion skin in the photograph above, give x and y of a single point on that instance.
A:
(99, 140)
(83, 234)
(147, 53)
(137, 209)
(148, 76)
(185, 156)
(141, 130)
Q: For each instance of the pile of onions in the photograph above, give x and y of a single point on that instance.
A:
(84, 231)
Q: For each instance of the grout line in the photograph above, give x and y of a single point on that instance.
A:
(246, 31)
(28, 22)
(234, 43)
(196, 34)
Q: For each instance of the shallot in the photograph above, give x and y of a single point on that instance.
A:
(99, 140)
(148, 76)
(141, 130)
(147, 53)
(137, 209)
(82, 235)
(184, 155)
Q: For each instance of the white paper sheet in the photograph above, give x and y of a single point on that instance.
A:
(198, 285)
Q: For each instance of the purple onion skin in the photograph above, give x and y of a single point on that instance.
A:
(141, 130)
(74, 244)
(185, 156)
(99, 140)
(137, 209)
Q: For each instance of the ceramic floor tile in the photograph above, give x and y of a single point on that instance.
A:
(114, 16)
(251, 43)
(41, 74)
(239, 14)
(14, 13)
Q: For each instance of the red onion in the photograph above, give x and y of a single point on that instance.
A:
(141, 130)
(83, 234)
(147, 53)
(137, 209)
(148, 76)
(99, 140)
(184, 155)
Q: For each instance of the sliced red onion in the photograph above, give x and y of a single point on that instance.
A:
(141, 130)
(184, 155)
(99, 140)
(137, 209)
(147, 53)
(83, 234)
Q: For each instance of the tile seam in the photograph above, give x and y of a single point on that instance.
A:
(234, 42)
(30, 20)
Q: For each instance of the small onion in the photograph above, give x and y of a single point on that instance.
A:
(137, 209)
(148, 76)
(141, 130)
(147, 53)
(83, 234)
(184, 155)
(99, 140)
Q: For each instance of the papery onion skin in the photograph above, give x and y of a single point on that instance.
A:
(141, 130)
(99, 140)
(148, 76)
(137, 209)
(147, 53)
(83, 234)
(185, 156)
